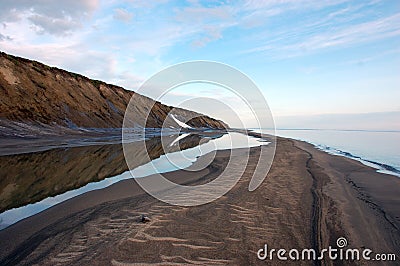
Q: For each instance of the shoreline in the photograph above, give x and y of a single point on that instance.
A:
(383, 166)
(332, 196)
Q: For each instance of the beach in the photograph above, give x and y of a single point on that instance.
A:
(309, 199)
(199, 133)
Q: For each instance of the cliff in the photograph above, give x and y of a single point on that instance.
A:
(34, 93)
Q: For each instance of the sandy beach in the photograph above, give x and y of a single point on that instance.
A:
(199, 133)
(308, 200)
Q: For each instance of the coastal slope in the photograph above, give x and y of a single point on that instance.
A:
(34, 96)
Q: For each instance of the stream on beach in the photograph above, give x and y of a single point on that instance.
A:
(33, 182)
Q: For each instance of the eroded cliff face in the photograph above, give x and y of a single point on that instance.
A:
(32, 92)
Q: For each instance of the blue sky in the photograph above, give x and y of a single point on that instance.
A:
(309, 58)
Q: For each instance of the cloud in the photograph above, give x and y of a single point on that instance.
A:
(290, 4)
(49, 7)
(97, 65)
(53, 17)
(363, 32)
(366, 59)
(5, 37)
(210, 34)
(55, 26)
(205, 24)
(128, 80)
(209, 21)
(304, 39)
(146, 4)
(203, 14)
(280, 28)
(122, 15)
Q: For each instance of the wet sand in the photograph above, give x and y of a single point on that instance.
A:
(308, 200)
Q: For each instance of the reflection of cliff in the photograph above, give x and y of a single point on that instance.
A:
(29, 178)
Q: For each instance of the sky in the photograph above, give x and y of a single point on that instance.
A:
(319, 64)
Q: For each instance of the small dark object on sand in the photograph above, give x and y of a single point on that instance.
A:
(144, 218)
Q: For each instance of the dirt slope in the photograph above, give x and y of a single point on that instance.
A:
(32, 92)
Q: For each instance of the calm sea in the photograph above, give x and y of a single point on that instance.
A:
(381, 148)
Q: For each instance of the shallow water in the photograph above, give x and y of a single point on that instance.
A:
(41, 173)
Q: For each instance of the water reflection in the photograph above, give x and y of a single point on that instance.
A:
(41, 180)
(32, 177)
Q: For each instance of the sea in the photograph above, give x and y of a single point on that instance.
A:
(379, 149)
